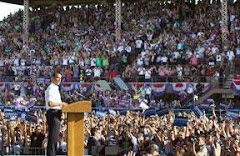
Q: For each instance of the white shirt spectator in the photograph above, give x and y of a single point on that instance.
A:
(120, 48)
(189, 54)
(141, 71)
(179, 70)
(139, 62)
(52, 94)
(149, 37)
(93, 61)
(148, 90)
(71, 59)
(159, 58)
(218, 57)
(143, 104)
(139, 43)
(16, 62)
(87, 61)
(96, 72)
(81, 63)
(164, 59)
(1, 63)
(65, 61)
(128, 49)
(143, 53)
(176, 54)
(214, 50)
(190, 89)
(230, 55)
(238, 51)
(200, 52)
(17, 87)
(148, 74)
(23, 62)
(232, 17)
(88, 72)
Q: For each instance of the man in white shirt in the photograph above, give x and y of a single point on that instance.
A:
(97, 72)
(230, 56)
(54, 105)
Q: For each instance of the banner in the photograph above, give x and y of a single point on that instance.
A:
(236, 86)
(178, 87)
(180, 121)
(149, 112)
(158, 88)
(67, 86)
(181, 88)
(232, 115)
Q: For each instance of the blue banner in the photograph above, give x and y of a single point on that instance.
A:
(197, 111)
(180, 121)
(232, 115)
(149, 112)
(163, 112)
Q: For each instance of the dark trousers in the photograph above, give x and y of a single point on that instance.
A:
(53, 122)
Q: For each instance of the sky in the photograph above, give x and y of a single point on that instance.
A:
(7, 8)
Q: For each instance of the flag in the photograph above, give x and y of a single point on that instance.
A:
(236, 86)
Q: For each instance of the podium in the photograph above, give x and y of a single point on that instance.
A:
(75, 126)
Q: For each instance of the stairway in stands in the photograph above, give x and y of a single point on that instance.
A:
(225, 90)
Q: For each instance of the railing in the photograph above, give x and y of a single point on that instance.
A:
(214, 85)
(195, 78)
(137, 78)
(19, 150)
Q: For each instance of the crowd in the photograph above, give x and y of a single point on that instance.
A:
(158, 41)
(133, 133)
(24, 137)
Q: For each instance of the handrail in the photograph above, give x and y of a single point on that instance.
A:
(137, 78)
(199, 91)
(131, 79)
(214, 84)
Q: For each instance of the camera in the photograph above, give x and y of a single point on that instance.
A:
(193, 139)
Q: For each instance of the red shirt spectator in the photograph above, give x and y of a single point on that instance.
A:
(209, 72)
(113, 74)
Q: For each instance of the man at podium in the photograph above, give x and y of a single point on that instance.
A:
(54, 105)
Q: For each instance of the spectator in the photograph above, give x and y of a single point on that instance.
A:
(37, 138)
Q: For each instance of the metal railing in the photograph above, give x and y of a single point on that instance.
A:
(191, 78)
(135, 78)
(214, 85)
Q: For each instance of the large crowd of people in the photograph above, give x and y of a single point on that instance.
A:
(133, 133)
(213, 135)
(159, 42)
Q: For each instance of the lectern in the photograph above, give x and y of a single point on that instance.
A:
(75, 125)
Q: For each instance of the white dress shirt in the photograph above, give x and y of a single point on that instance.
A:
(52, 94)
